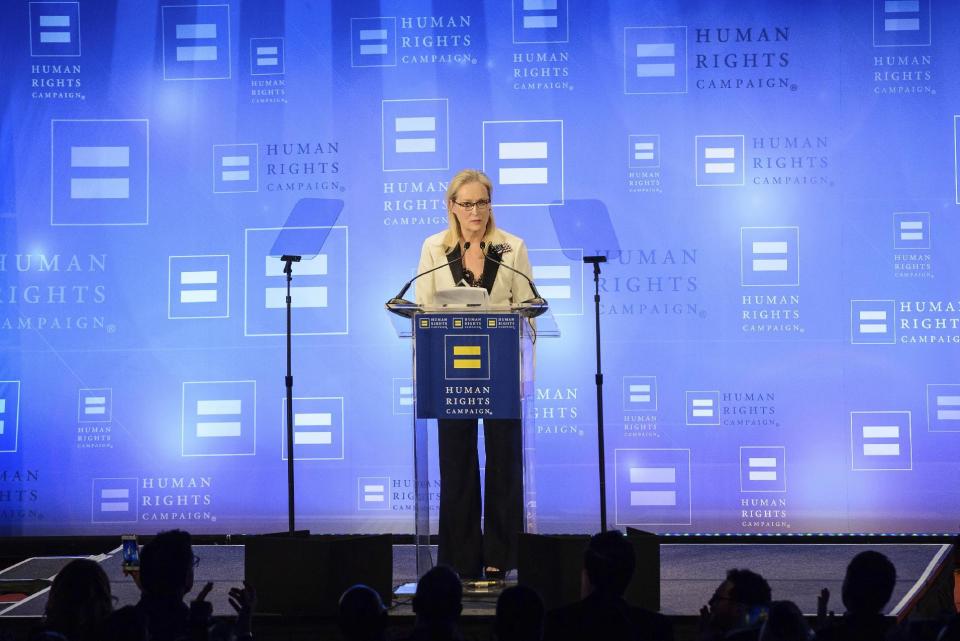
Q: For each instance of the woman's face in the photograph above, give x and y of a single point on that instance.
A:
(472, 218)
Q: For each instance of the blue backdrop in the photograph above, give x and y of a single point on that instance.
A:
(781, 326)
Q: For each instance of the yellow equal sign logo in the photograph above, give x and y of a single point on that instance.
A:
(458, 322)
(424, 322)
(491, 322)
(462, 354)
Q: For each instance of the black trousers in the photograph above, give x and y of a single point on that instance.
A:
(462, 546)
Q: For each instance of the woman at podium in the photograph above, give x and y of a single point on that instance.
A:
(474, 247)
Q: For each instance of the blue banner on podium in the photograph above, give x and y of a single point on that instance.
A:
(468, 365)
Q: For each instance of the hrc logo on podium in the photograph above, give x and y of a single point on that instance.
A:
(467, 357)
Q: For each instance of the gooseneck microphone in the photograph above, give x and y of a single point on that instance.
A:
(399, 299)
(537, 298)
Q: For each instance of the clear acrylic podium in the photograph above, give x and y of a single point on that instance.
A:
(470, 362)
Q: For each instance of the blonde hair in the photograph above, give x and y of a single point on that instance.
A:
(465, 176)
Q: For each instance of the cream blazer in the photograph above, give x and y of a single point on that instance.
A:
(508, 287)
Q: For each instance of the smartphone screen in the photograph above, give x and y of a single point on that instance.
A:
(131, 552)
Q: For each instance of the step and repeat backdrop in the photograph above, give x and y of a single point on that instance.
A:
(775, 184)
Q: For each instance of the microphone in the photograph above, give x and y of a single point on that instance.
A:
(399, 300)
(537, 298)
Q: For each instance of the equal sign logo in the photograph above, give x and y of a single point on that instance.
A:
(415, 134)
(644, 151)
(114, 500)
(943, 407)
(655, 60)
(899, 23)
(99, 172)
(235, 168)
(101, 187)
(763, 469)
(769, 256)
(540, 14)
(559, 277)
(95, 405)
(312, 428)
(219, 418)
(9, 415)
(646, 53)
(302, 296)
(373, 493)
(320, 288)
(317, 428)
(529, 153)
(646, 477)
(652, 486)
(720, 160)
(196, 42)
(540, 21)
(873, 321)
(639, 393)
(203, 286)
(553, 281)
(911, 230)
(374, 42)
(703, 408)
(54, 29)
(525, 159)
(881, 440)
(196, 46)
(267, 56)
(403, 396)
(199, 287)
(468, 357)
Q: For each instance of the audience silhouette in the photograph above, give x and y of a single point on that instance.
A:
(361, 615)
(737, 608)
(602, 613)
(78, 604)
(519, 615)
(867, 587)
(437, 605)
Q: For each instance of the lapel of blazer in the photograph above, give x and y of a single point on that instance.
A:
(456, 265)
(491, 268)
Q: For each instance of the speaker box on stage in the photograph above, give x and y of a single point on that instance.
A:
(551, 565)
(305, 575)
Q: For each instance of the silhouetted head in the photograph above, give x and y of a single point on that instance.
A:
(439, 597)
(869, 583)
(361, 614)
(785, 622)
(166, 565)
(609, 563)
(519, 614)
(737, 599)
(79, 600)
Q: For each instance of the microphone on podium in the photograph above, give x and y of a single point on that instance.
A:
(400, 300)
(537, 298)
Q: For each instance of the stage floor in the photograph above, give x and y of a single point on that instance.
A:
(689, 573)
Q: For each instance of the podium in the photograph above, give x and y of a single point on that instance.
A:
(470, 363)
